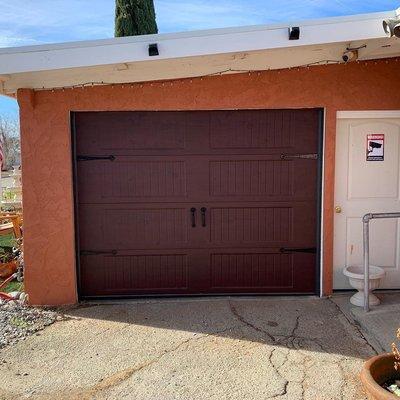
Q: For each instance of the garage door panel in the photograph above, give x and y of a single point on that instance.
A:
(249, 271)
(266, 129)
(251, 129)
(129, 228)
(250, 225)
(273, 224)
(124, 131)
(267, 178)
(261, 271)
(135, 273)
(255, 177)
(127, 179)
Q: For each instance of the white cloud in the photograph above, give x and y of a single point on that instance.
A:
(26, 22)
(176, 15)
(8, 38)
(196, 14)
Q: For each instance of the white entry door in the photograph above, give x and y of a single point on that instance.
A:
(367, 180)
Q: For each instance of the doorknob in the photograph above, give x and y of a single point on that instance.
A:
(338, 209)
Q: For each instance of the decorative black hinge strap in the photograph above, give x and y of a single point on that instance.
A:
(91, 158)
(287, 250)
(311, 156)
(95, 252)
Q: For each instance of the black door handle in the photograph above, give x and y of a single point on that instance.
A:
(203, 211)
(193, 214)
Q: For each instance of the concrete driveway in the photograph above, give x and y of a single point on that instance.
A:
(224, 348)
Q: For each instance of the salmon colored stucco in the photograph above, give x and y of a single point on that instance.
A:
(46, 146)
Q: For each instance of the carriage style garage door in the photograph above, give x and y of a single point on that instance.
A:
(196, 202)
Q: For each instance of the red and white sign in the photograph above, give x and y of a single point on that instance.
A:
(375, 147)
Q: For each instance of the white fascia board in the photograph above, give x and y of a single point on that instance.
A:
(190, 44)
(368, 114)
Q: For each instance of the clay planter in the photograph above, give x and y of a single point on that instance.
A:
(376, 371)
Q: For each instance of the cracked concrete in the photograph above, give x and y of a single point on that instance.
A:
(225, 348)
(380, 324)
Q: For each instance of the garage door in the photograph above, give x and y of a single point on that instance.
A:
(196, 202)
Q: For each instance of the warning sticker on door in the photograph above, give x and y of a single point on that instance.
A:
(375, 147)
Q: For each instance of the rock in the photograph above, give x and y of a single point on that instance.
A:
(18, 321)
(23, 297)
(15, 295)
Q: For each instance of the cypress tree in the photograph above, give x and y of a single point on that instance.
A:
(134, 17)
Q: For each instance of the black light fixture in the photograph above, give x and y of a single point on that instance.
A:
(153, 50)
(294, 33)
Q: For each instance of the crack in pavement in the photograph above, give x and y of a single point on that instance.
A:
(292, 336)
(249, 324)
(353, 324)
(274, 338)
(291, 344)
(277, 370)
(121, 376)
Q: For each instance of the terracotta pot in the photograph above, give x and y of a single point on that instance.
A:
(376, 371)
(7, 269)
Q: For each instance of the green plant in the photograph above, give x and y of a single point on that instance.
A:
(19, 322)
(6, 254)
(135, 17)
(8, 194)
(13, 286)
(8, 241)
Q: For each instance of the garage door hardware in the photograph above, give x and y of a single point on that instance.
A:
(92, 158)
(95, 252)
(193, 216)
(203, 211)
(312, 156)
(286, 250)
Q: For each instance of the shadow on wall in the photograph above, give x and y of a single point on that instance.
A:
(309, 324)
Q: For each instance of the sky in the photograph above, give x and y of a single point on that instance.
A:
(30, 22)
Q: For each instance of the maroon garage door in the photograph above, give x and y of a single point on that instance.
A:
(196, 202)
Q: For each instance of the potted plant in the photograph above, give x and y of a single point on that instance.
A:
(381, 375)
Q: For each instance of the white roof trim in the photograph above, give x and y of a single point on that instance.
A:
(190, 44)
(368, 114)
(197, 53)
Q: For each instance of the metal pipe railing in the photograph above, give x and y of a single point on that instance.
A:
(366, 219)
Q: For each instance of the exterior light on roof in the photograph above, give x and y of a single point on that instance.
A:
(392, 27)
(294, 33)
(153, 50)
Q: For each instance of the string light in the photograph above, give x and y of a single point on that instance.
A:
(217, 73)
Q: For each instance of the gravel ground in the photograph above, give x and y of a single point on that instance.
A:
(18, 321)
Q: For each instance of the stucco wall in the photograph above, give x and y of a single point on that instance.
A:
(46, 145)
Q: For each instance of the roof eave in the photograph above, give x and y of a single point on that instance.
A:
(192, 44)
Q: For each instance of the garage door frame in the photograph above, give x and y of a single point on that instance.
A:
(319, 200)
